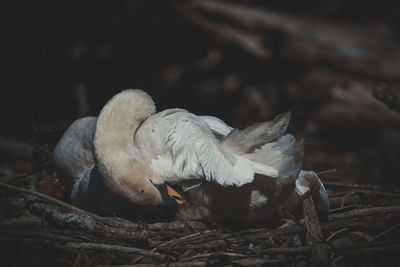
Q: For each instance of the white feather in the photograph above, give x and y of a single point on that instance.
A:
(257, 199)
(216, 125)
(302, 188)
(179, 146)
(188, 188)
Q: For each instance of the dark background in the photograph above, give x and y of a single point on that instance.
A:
(319, 59)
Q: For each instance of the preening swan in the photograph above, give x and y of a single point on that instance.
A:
(130, 152)
(97, 158)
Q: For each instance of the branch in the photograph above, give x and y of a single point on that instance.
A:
(314, 233)
(364, 212)
(116, 248)
(104, 220)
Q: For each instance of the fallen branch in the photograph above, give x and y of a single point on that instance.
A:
(116, 248)
(104, 220)
(364, 212)
(41, 235)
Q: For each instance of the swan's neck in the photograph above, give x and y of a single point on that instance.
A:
(115, 155)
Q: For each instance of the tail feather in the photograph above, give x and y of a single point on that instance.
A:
(285, 156)
(256, 135)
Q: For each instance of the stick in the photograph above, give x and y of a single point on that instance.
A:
(116, 248)
(171, 243)
(42, 235)
(364, 212)
(215, 255)
(364, 186)
(287, 250)
(336, 233)
(104, 220)
(314, 233)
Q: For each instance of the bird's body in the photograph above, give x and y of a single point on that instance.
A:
(227, 173)
(179, 146)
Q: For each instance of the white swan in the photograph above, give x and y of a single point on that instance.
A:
(96, 159)
(132, 151)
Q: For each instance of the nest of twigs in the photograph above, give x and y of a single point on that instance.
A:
(40, 230)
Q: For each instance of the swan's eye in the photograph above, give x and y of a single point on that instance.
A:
(142, 191)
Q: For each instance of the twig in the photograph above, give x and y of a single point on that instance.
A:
(326, 172)
(344, 198)
(286, 250)
(183, 238)
(251, 261)
(215, 255)
(336, 233)
(138, 259)
(384, 232)
(343, 209)
(363, 186)
(354, 224)
(367, 192)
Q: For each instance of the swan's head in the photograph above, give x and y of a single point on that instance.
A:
(139, 188)
(117, 157)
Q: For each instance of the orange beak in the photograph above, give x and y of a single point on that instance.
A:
(178, 197)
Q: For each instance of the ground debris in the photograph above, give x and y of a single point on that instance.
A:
(46, 231)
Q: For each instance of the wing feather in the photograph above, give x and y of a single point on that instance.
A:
(180, 146)
(270, 150)
(73, 154)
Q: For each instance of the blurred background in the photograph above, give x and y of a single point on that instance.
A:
(242, 61)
